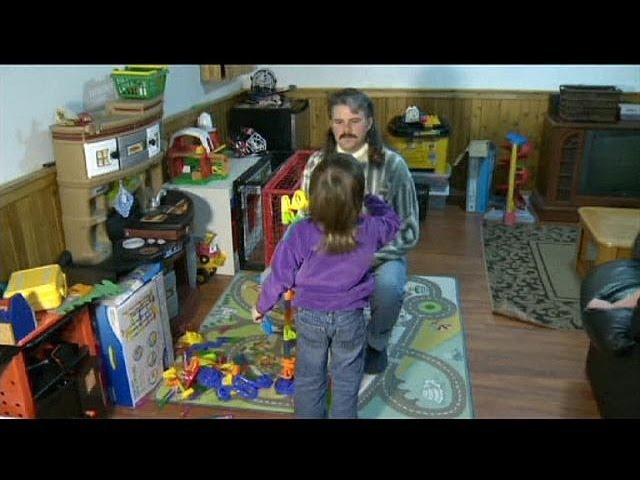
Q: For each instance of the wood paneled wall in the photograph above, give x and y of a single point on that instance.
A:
(30, 222)
(472, 115)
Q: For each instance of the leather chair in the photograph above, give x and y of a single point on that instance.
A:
(613, 360)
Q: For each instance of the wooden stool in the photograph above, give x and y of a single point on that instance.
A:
(607, 234)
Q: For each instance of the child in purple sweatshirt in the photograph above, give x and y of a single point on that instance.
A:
(327, 259)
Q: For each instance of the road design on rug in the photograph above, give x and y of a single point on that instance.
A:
(427, 376)
(442, 389)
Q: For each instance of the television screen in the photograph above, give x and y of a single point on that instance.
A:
(611, 164)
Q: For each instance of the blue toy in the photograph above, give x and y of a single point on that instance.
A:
(17, 312)
(269, 327)
(245, 387)
(264, 381)
(210, 377)
(284, 386)
(224, 393)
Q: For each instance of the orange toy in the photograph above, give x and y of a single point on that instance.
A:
(288, 368)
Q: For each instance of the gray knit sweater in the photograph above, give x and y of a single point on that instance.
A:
(393, 182)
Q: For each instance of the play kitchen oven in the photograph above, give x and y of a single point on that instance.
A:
(108, 144)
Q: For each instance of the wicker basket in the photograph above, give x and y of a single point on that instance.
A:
(584, 103)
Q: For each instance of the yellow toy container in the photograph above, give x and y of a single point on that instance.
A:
(43, 287)
(425, 153)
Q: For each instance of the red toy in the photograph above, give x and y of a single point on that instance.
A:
(519, 150)
(193, 158)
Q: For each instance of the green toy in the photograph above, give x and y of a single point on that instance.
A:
(103, 289)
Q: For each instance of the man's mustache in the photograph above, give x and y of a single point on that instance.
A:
(347, 135)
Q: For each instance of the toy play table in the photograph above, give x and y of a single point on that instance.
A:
(607, 234)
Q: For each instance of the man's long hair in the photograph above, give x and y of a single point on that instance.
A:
(358, 102)
(336, 193)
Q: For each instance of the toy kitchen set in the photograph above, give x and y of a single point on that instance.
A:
(96, 160)
(114, 145)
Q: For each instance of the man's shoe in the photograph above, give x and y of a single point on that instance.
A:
(375, 361)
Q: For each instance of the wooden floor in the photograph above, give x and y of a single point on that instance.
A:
(518, 370)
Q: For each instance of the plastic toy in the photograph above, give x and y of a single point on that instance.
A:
(293, 209)
(519, 175)
(80, 294)
(43, 287)
(193, 159)
(225, 393)
(269, 327)
(140, 81)
(284, 386)
(423, 142)
(246, 387)
(210, 377)
(17, 312)
(191, 338)
(205, 122)
(284, 383)
(249, 142)
(210, 258)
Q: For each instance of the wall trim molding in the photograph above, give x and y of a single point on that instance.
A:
(25, 185)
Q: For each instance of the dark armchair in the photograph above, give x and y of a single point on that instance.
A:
(613, 360)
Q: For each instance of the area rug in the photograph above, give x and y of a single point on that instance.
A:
(532, 273)
(427, 376)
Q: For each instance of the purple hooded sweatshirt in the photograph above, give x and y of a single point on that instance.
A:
(323, 281)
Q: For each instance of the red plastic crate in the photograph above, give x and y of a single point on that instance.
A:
(285, 182)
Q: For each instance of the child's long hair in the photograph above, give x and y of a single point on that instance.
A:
(336, 193)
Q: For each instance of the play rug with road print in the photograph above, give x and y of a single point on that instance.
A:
(427, 376)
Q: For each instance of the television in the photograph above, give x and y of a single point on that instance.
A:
(611, 164)
(586, 164)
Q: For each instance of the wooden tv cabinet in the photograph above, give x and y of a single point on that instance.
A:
(557, 194)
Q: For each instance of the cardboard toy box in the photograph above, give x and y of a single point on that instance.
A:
(135, 336)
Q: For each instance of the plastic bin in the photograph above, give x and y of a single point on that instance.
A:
(423, 148)
(426, 153)
(286, 181)
(140, 83)
(436, 186)
(438, 200)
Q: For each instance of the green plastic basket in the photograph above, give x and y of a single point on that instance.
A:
(140, 83)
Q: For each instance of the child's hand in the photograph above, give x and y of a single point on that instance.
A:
(256, 315)
(375, 204)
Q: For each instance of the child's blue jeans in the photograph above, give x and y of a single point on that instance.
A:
(343, 333)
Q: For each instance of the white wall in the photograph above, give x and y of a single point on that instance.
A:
(490, 77)
(30, 94)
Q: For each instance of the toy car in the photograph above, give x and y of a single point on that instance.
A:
(210, 258)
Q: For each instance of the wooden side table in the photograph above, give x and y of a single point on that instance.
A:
(607, 234)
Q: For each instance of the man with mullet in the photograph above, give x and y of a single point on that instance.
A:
(353, 130)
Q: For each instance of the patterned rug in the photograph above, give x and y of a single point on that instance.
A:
(427, 376)
(532, 273)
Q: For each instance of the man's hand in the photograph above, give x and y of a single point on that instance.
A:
(256, 315)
